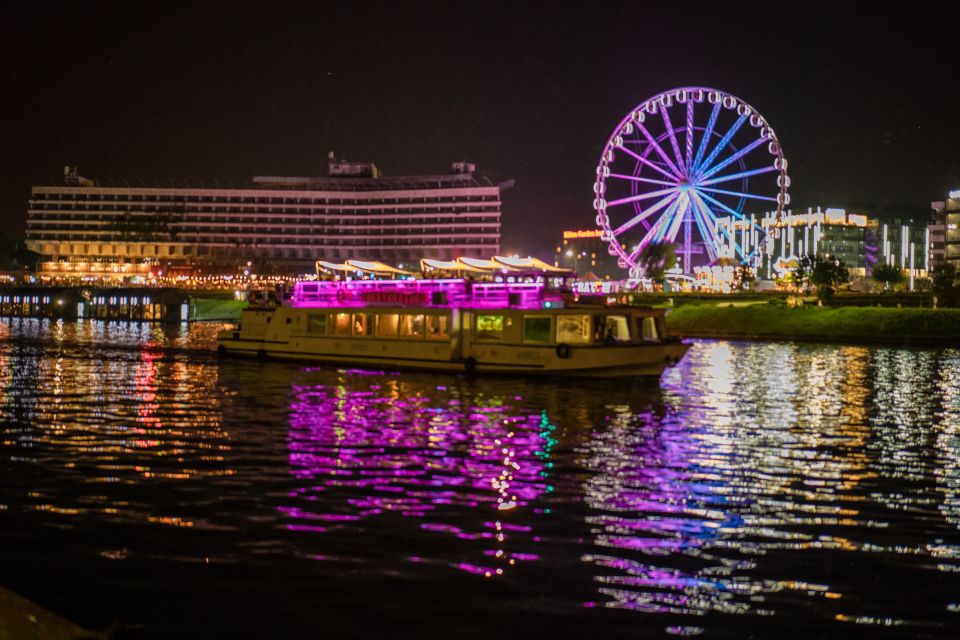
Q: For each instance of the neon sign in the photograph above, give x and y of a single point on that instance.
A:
(573, 235)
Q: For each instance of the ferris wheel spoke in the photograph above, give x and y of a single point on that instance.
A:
(643, 215)
(724, 141)
(706, 231)
(673, 138)
(642, 196)
(739, 194)
(663, 154)
(736, 214)
(665, 222)
(736, 176)
(710, 222)
(739, 154)
(650, 164)
(688, 140)
(705, 140)
(639, 179)
(682, 203)
(653, 232)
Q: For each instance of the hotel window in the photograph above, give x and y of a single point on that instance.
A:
(438, 328)
(489, 327)
(411, 326)
(537, 329)
(317, 324)
(387, 324)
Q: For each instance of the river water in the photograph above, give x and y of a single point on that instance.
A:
(759, 490)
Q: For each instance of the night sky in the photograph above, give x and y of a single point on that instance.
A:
(866, 102)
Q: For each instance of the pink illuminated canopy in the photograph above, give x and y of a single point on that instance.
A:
(439, 293)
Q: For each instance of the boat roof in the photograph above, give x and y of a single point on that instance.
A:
(430, 266)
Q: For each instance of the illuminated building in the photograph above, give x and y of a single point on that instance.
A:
(859, 240)
(83, 228)
(945, 230)
(584, 251)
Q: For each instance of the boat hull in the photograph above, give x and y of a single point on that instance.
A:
(274, 335)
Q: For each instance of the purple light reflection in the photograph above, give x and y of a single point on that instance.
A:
(363, 450)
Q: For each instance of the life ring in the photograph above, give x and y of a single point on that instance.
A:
(470, 365)
(563, 350)
(341, 296)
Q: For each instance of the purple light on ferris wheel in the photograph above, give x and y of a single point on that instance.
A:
(679, 162)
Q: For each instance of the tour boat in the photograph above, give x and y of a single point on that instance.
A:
(516, 326)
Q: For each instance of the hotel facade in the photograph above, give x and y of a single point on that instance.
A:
(85, 229)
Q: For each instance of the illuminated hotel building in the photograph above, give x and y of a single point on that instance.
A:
(861, 242)
(945, 230)
(82, 228)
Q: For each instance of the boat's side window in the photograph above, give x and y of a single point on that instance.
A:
(362, 325)
(438, 327)
(317, 324)
(489, 327)
(648, 329)
(387, 325)
(537, 329)
(573, 329)
(411, 326)
(616, 329)
(341, 324)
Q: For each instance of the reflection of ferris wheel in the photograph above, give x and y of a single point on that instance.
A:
(679, 163)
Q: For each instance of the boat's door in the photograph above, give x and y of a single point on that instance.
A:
(460, 321)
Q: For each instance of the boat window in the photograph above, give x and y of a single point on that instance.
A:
(438, 328)
(317, 324)
(537, 329)
(648, 329)
(341, 324)
(387, 325)
(362, 325)
(489, 327)
(411, 326)
(573, 329)
(616, 329)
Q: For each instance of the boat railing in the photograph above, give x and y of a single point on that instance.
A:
(452, 292)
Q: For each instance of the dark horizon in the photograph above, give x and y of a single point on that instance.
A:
(862, 100)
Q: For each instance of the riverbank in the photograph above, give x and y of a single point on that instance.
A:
(867, 325)
(25, 620)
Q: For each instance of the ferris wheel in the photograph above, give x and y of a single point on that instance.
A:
(692, 166)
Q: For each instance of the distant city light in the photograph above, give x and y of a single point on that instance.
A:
(955, 194)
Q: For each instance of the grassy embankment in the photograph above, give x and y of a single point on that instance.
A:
(838, 324)
(212, 307)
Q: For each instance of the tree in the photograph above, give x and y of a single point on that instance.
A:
(801, 271)
(826, 272)
(888, 275)
(655, 259)
(945, 284)
(744, 277)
